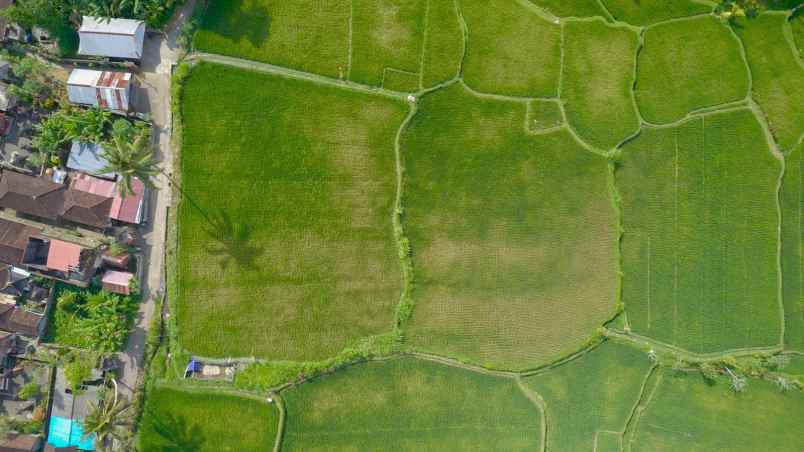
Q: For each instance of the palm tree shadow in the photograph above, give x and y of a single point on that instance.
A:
(174, 434)
(232, 242)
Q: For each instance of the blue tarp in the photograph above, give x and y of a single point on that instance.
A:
(67, 432)
(193, 366)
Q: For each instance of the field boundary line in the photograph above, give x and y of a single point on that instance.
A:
(502, 97)
(643, 401)
(787, 32)
(606, 11)
(280, 431)
(292, 73)
(610, 23)
(406, 304)
(680, 19)
(425, 40)
(645, 341)
(540, 12)
(562, 360)
(447, 361)
(560, 83)
(616, 205)
(727, 107)
(744, 57)
(349, 51)
(537, 400)
(465, 31)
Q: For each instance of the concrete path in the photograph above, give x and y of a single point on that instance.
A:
(160, 54)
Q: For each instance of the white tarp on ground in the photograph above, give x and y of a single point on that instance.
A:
(115, 38)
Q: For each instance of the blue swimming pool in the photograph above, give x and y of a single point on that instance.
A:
(67, 432)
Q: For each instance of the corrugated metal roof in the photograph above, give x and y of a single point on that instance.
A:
(87, 157)
(91, 24)
(63, 256)
(119, 38)
(84, 77)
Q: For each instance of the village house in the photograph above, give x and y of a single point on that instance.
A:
(41, 198)
(103, 89)
(112, 38)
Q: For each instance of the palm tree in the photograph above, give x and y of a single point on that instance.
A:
(130, 159)
(109, 420)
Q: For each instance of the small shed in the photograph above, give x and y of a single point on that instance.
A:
(114, 38)
(88, 158)
(117, 282)
(104, 89)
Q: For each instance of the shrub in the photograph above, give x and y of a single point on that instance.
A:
(77, 372)
(29, 391)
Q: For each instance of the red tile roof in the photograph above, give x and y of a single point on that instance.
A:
(123, 209)
(117, 282)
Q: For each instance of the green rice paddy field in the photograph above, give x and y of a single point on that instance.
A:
(202, 421)
(542, 222)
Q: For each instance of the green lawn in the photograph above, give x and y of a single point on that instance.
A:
(646, 12)
(176, 420)
(690, 415)
(778, 77)
(286, 245)
(387, 34)
(598, 79)
(511, 50)
(309, 35)
(443, 43)
(792, 203)
(700, 234)
(589, 399)
(688, 65)
(571, 8)
(514, 236)
(409, 404)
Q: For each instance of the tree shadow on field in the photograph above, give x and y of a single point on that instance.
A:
(173, 432)
(252, 22)
(232, 242)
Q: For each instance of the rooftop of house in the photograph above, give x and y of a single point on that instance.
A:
(117, 38)
(15, 442)
(87, 157)
(44, 198)
(127, 209)
(91, 24)
(63, 256)
(14, 241)
(19, 321)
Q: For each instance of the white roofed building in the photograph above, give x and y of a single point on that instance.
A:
(103, 89)
(114, 38)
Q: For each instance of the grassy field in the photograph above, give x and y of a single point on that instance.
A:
(511, 50)
(443, 43)
(387, 34)
(646, 12)
(688, 65)
(792, 203)
(690, 415)
(700, 221)
(514, 236)
(309, 35)
(777, 76)
(543, 115)
(570, 8)
(590, 396)
(410, 404)
(598, 77)
(286, 247)
(176, 420)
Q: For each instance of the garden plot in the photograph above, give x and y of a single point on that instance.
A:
(286, 247)
(309, 35)
(688, 65)
(514, 235)
(589, 399)
(409, 404)
(511, 49)
(646, 12)
(701, 234)
(175, 420)
(792, 203)
(597, 82)
(688, 414)
(778, 77)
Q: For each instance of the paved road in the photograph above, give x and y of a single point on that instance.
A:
(153, 96)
